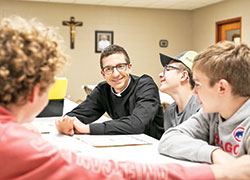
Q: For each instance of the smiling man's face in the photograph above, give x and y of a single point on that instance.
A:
(117, 80)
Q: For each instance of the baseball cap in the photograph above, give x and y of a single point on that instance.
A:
(185, 58)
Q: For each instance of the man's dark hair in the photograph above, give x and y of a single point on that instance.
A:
(113, 49)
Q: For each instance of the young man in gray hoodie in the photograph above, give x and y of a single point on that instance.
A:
(219, 132)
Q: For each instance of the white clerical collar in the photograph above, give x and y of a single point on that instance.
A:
(119, 94)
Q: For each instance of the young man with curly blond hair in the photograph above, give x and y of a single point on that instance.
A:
(220, 131)
(30, 57)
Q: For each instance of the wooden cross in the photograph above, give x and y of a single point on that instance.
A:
(72, 23)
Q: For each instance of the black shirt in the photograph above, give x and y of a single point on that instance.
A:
(138, 109)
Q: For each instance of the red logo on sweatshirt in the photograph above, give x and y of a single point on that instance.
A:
(226, 146)
(238, 133)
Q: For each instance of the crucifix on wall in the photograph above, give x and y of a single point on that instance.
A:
(72, 23)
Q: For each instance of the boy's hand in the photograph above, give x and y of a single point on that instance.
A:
(65, 125)
(237, 169)
(221, 157)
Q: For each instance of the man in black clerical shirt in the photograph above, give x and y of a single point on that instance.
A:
(132, 102)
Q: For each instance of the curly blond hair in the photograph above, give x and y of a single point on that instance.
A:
(29, 54)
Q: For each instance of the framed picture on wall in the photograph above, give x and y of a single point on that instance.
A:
(103, 39)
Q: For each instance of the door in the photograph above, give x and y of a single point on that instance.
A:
(229, 30)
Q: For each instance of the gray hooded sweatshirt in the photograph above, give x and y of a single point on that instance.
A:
(196, 138)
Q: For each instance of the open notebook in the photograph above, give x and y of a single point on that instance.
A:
(112, 140)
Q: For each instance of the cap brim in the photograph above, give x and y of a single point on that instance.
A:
(165, 60)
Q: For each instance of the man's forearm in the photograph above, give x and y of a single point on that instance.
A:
(81, 128)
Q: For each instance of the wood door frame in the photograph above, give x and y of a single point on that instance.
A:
(228, 21)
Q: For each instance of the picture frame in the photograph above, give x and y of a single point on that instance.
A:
(103, 39)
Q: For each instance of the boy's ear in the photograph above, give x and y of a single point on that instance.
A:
(34, 93)
(223, 86)
(184, 75)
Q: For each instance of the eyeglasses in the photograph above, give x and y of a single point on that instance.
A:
(119, 67)
(169, 68)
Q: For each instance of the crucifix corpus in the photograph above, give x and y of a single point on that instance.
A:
(72, 23)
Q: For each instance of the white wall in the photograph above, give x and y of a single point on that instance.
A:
(204, 21)
(137, 30)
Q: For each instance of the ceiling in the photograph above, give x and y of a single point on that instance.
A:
(161, 4)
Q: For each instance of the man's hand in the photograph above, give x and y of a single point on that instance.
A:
(237, 169)
(221, 157)
(81, 128)
(65, 125)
